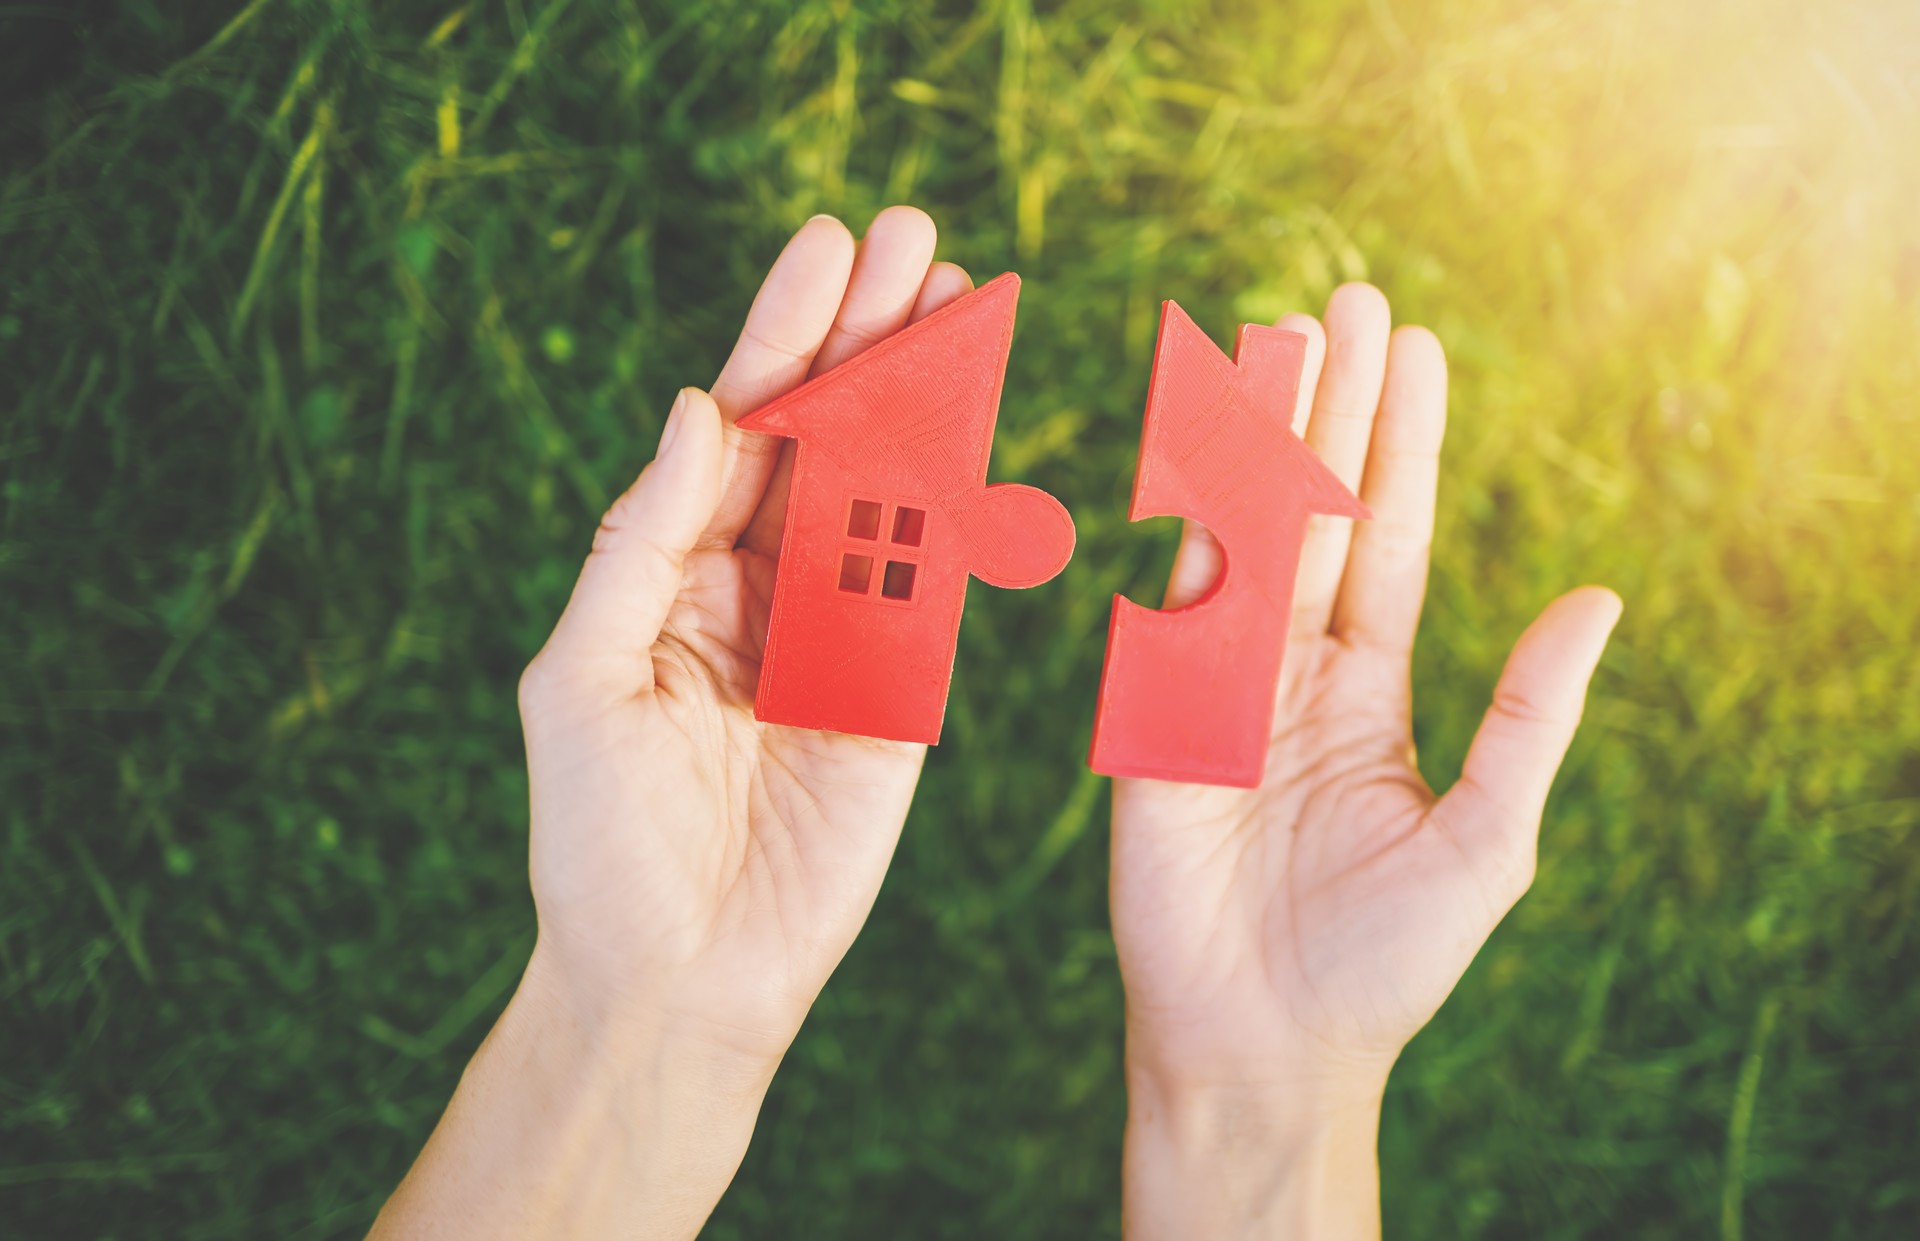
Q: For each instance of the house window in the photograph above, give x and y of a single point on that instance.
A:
(863, 519)
(855, 572)
(898, 581)
(885, 568)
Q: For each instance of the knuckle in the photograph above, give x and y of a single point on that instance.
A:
(1343, 409)
(625, 531)
(1507, 870)
(791, 350)
(1522, 864)
(1399, 542)
(1520, 708)
(539, 684)
(861, 332)
(619, 520)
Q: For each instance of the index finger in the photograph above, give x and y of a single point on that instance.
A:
(785, 328)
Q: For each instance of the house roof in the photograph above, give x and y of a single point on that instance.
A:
(916, 410)
(1218, 429)
(912, 417)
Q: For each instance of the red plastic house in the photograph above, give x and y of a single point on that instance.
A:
(889, 514)
(1189, 694)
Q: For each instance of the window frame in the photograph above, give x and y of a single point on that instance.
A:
(882, 549)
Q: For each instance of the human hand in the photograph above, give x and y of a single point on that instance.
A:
(691, 864)
(1280, 945)
(697, 874)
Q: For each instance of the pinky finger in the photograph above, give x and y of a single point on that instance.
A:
(943, 283)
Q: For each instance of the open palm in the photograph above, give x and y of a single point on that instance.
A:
(1301, 932)
(688, 860)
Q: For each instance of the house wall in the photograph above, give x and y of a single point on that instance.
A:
(860, 662)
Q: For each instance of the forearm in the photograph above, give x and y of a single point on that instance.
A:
(569, 1125)
(1225, 1163)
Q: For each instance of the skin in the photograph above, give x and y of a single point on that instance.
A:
(1281, 945)
(697, 875)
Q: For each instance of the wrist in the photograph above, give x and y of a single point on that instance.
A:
(1275, 1085)
(616, 1117)
(568, 1122)
(626, 1032)
(1282, 1154)
(1274, 1098)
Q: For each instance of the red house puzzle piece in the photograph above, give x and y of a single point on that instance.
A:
(889, 514)
(1189, 694)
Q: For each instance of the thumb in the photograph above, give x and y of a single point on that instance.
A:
(633, 573)
(1493, 813)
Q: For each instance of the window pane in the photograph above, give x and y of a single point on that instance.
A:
(898, 582)
(855, 573)
(908, 525)
(863, 522)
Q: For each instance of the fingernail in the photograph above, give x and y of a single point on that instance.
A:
(821, 216)
(669, 432)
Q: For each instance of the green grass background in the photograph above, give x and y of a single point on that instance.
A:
(327, 328)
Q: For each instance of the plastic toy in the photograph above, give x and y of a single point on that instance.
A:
(1188, 694)
(888, 515)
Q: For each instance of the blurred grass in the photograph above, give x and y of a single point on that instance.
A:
(326, 328)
